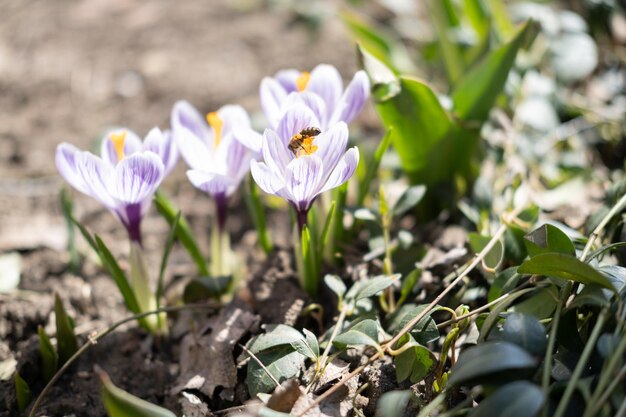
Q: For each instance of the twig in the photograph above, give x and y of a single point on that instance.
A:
(93, 340)
(388, 346)
(257, 360)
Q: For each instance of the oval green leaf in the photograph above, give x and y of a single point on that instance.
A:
(489, 358)
(517, 399)
(567, 267)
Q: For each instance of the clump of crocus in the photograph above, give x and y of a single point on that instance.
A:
(124, 179)
(300, 171)
(218, 149)
(321, 90)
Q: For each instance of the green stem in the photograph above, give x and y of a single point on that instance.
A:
(582, 363)
(547, 361)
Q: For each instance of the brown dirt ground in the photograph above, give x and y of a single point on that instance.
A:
(69, 70)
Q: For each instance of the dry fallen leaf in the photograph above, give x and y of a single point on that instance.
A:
(207, 361)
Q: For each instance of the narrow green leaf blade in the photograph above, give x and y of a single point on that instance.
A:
(183, 231)
(67, 344)
(22, 392)
(257, 213)
(372, 167)
(169, 244)
(477, 91)
(567, 267)
(119, 403)
(49, 357)
(118, 276)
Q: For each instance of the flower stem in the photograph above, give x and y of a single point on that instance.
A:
(302, 217)
(220, 240)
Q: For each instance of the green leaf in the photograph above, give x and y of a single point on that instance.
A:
(67, 206)
(444, 21)
(372, 167)
(282, 362)
(409, 199)
(548, 238)
(310, 259)
(494, 315)
(118, 276)
(477, 91)
(525, 331)
(517, 399)
(393, 403)
(86, 235)
(67, 344)
(381, 44)
(364, 332)
(22, 392)
(119, 403)
(205, 288)
(384, 82)
(490, 358)
(566, 267)
(415, 137)
(183, 231)
(311, 340)
(424, 332)
(335, 284)
(169, 243)
(494, 257)
(415, 363)
(541, 304)
(408, 284)
(324, 236)
(276, 335)
(370, 287)
(257, 213)
(49, 357)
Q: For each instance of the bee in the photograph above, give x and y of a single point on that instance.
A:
(302, 141)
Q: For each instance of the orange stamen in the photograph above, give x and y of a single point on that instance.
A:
(118, 140)
(302, 81)
(216, 123)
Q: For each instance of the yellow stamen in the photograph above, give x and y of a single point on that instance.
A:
(307, 147)
(118, 140)
(216, 123)
(303, 80)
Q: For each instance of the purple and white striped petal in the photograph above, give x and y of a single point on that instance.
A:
(332, 146)
(272, 96)
(275, 153)
(287, 79)
(187, 121)
(66, 159)
(212, 183)
(353, 99)
(294, 120)
(268, 180)
(304, 178)
(233, 115)
(326, 82)
(132, 144)
(249, 138)
(343, 171)
(137, 177)
(97, 175)
(162, 144)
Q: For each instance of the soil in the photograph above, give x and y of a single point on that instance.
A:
(70, 70)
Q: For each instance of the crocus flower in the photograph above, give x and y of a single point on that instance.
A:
(125, 177)
(218, 150)
(319, 164)
(321, 90)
